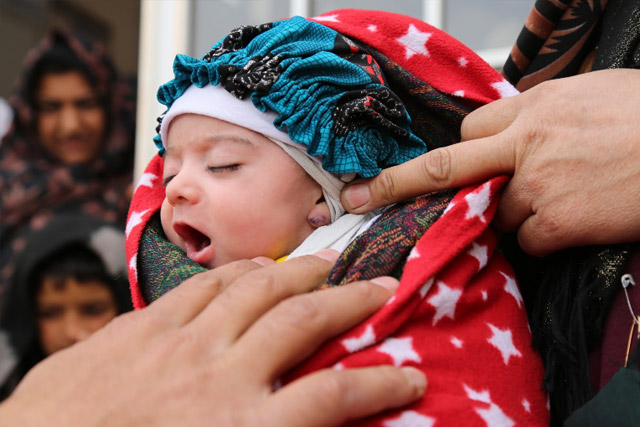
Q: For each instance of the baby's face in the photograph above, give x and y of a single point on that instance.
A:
(231, 193)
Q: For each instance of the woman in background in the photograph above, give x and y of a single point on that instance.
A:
(70, 147)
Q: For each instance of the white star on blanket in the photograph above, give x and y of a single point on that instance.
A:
(134, 220)
(480, 253)
(367, 338)
(505, 89)
(327, 18)
(493, 416)
(146, 180)
(445, 302)
(503, 341)
(478, 202)
(133, 264)
(400, 349)
(414, 42)
(511, 287)
(411, 419)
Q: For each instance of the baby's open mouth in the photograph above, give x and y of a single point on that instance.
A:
(197, 245)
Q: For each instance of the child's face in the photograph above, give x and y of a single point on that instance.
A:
(231, 193)
(72, 311)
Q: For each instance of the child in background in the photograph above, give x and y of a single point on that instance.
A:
(70, 282)
(259, 138)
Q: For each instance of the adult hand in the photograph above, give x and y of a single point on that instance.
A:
(572, 146)
(208, 353)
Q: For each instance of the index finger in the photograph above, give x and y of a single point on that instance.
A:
(491, 119)
(333, 397)
(454, 166)
(302, 323)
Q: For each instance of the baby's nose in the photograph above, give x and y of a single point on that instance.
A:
(182, 188)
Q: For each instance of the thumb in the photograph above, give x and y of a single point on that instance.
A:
(454, 166)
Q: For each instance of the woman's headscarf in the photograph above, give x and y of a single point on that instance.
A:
(34, 186)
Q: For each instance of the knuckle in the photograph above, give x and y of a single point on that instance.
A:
(366, 292)
(334, 389)
(207, 279)
(543, 90)
(384, 187)
(250, 287)
(465, 126)
(124, 323)
(258, 281)
(180, 339)
(550, 225)
(532, 133)
(437, 165)
(549, 232)
(241, 266)
(301, 312)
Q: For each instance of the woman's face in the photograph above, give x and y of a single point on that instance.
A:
(71, 311)
(71, 121)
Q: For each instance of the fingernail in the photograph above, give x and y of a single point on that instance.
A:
(416, 378)
(357, 195)
(386, 282)
(328, 254)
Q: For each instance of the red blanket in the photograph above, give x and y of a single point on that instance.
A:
(458, 314)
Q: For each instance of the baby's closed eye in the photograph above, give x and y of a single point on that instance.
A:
(167, 180)
(224, 168)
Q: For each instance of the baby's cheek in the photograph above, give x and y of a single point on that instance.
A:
(166, 218)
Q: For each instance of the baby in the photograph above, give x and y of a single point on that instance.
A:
(259, 138)
(235, 192)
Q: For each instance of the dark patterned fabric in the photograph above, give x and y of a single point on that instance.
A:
(619, 40)
(382, 250)
(237, 39)
(435, 116)
(34, 187)
(554, 42)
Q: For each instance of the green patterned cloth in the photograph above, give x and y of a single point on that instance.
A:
(381, 250)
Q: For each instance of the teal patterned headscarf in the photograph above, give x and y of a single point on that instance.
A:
(328, 92)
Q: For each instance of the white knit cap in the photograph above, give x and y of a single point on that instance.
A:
(216, 102)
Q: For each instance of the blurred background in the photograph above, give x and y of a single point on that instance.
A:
(143, 36)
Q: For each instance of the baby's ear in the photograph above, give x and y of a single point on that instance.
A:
(320, 214)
